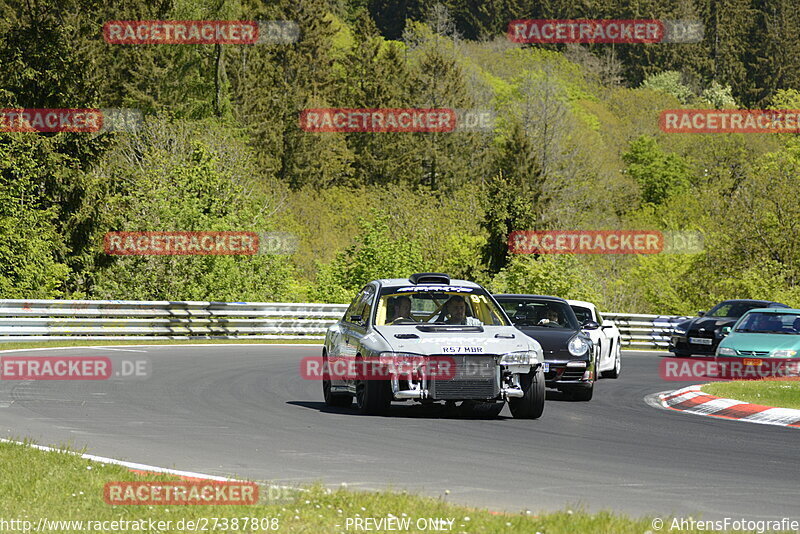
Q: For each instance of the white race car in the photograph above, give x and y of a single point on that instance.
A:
(605, 337)
(427, 338)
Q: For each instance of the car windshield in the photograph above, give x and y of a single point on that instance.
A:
(539, 313)
(429, 304)
(733, 309)
(770, 323)
(583, 314)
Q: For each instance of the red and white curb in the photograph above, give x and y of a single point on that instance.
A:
(692, 400)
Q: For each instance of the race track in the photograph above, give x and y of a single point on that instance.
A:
(243, 410)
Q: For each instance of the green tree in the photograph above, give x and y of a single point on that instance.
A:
(658, 174)
(376, 253)
(562, 275)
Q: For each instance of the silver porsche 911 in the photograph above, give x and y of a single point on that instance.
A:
(428, 338)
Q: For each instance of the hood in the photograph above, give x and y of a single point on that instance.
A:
(761, 342)
(551, 339)
(710, 324)
(464, 340)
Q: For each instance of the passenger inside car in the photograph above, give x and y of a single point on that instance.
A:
(402, 310)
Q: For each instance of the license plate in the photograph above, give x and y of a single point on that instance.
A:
(546, 367)
(752, 361)
(700, 341)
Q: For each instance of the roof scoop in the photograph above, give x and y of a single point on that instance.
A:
(429, 278)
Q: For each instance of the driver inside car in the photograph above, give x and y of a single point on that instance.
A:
(551, 318)
(455, 312)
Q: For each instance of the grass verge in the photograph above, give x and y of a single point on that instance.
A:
(38, 485)
(134, 341)
(777, 392)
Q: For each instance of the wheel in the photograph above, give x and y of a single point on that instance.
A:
(373, 397)
(680, 353)
(531, 405)
(482, 410)
(581, 393)
(614, 373)
(339, 400)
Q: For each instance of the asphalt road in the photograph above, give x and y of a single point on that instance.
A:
(245, 411)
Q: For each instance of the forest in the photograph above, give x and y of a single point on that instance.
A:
(574, 144)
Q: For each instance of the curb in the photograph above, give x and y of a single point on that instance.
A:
(692, 400)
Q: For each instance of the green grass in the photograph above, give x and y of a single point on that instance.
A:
(777, 393)
(134, 341)
(58, 486)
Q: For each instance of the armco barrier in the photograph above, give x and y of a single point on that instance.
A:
(34, 320)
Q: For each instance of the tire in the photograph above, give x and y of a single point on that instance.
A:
(614, 373)
(337, 400)
(481, 410)
(531, 405)
(373, 397)
(681, 354)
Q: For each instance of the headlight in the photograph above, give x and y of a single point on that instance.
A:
(783, 353)
(525, 357)
(725, 351)
(577, 346)
(679, 330)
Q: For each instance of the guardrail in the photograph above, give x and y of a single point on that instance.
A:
(35, 320)
(642, 330)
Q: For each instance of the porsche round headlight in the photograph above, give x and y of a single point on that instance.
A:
(577, 346)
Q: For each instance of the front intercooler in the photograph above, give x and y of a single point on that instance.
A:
(475, 377)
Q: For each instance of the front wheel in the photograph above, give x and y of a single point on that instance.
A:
(373, 397)
(614, 373)
(531, 405)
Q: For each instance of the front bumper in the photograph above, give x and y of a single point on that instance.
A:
(559, 373)
(680, 343)
(475, 378)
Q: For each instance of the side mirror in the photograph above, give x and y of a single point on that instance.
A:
(590, 325)
(701, 313)
(725, 330)
(355, 318)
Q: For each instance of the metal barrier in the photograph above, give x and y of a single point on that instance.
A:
(640, 330)
(34, 320)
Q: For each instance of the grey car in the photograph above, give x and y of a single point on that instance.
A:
(432, 339)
